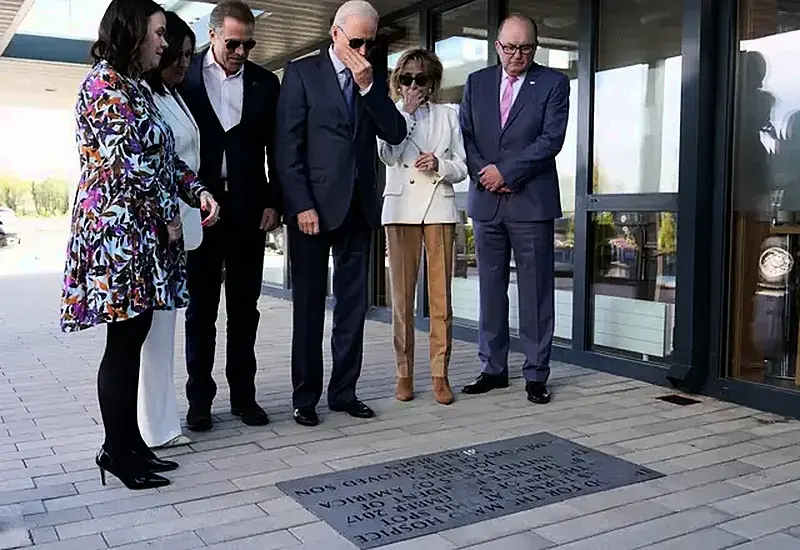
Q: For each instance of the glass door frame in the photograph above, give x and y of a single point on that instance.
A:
(717, 376)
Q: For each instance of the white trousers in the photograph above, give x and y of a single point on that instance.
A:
(157, 405)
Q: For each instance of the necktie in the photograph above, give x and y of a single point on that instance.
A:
(348, 90)
(507, 99)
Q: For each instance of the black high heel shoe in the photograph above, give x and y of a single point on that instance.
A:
(129, 471)
(152, 463)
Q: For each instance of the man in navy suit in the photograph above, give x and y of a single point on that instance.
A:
(514, 119)
(331, 109)
(233, 102)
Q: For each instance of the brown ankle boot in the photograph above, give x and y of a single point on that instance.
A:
(404, 391)
(441, 391)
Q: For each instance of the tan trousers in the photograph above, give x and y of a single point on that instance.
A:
(405, 248)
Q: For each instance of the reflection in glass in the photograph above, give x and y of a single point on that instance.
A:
(765, 232)
(637, 97)
(633, 282)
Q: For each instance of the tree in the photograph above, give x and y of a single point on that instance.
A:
(50, 197)
(667, 234)
(12, 193)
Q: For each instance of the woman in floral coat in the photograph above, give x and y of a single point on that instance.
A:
(125, 254)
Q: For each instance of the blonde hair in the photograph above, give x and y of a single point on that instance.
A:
(431, 65)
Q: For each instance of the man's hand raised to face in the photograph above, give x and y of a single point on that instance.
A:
(359, 66)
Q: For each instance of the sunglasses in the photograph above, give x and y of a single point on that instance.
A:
(422, 80)
(233, 45)
(357, 43)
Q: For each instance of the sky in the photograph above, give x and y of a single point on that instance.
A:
(38, 143)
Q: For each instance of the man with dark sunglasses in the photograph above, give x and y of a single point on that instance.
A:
(331, 110)
(234, 103)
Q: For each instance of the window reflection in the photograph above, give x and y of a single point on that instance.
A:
(633, 282)
(765, 234)
(637, 97)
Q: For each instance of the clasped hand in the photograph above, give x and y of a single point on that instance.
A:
(492, 180)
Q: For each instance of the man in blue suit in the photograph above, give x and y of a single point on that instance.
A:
(330, 110)
(514, 119)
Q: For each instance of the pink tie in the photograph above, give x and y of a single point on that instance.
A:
(507, 99)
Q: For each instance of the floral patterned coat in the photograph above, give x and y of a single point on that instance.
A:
(119, 261)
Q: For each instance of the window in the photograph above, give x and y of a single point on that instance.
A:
(765, 230)
(637, 102)
(633, 282)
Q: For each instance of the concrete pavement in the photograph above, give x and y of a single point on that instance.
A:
(733, 473)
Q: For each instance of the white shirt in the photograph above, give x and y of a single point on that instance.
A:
(515, 90)
(339, 67)
(226, 94)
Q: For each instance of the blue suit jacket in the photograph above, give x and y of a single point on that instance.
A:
(322, 159)
(524, 150)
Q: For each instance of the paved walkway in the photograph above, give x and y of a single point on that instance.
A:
(733, 473)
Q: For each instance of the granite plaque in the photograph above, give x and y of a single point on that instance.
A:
(372, 506)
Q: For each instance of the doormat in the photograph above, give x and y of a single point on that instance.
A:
(381, 504)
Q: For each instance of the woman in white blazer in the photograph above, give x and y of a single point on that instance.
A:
(420, 207)
(158, 417)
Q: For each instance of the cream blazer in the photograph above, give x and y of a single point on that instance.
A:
(187, 147)
(430, 198)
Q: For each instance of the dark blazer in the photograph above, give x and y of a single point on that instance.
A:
(524, 150)
(245, 145)
(321, 158)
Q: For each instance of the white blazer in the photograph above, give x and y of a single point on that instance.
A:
(430, 198)
(187, 147)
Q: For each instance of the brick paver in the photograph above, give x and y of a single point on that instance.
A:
(733, 473)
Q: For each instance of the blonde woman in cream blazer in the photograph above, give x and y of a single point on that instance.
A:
(419, 206)
(158, 417)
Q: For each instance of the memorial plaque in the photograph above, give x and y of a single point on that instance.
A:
(386, 503)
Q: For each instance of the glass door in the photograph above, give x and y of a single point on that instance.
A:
(765, 230)
(633, 196)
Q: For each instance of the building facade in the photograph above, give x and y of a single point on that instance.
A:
(680, 185)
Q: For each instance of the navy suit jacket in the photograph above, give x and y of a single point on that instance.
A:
(322, 159)
(524, 150)
(245, 145)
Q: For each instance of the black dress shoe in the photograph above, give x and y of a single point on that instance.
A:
(152, 463)
(129, 471)
(537, 393)
(252, 414)
(306, 417)
(486, 383)
(357, 409)
(198, 419)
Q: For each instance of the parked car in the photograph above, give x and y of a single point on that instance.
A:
(9, 228)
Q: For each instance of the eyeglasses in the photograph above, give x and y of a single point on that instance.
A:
(422, 80)
(357, 43)
(524, 49)
(233, 45)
